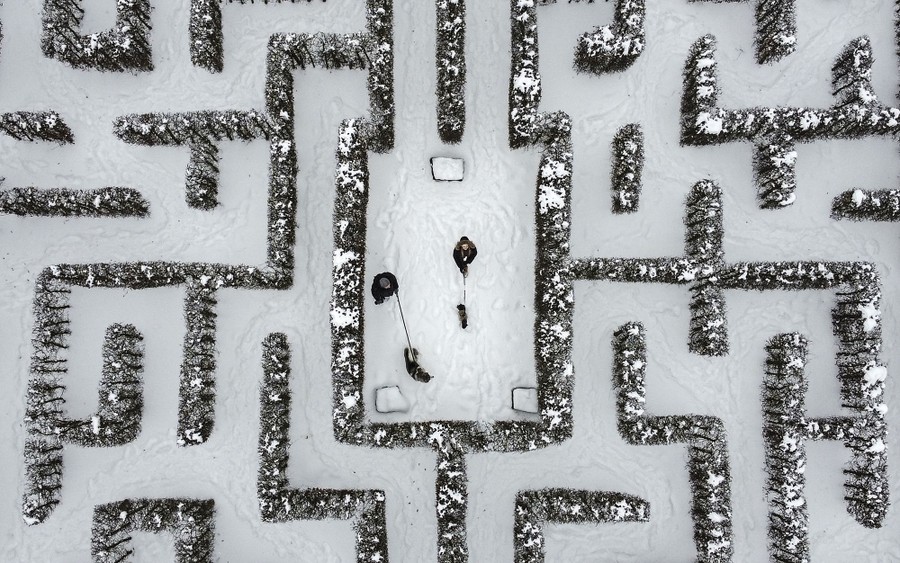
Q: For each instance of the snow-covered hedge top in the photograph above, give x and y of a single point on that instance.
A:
(126, 47)
(613, 48)
(451, 69)
(858, 113)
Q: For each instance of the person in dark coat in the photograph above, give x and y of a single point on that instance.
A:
(383, 286)
(463, 254)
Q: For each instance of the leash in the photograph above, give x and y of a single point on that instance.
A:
(406, 330)
(464, 289)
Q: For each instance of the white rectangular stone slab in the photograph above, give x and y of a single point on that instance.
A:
(447, 169)
(524, 399)
(390, 399)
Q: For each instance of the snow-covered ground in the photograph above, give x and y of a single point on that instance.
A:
(413, 222)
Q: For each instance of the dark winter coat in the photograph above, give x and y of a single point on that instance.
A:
(464, 256)
(379, 292)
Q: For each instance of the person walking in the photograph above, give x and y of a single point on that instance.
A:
(463, 254)
(383, 286)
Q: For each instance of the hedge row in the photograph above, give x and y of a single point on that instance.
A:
(451, 493)
(205, 30)
(177, 129)
(120, 397)
(776, 28)
(349, 283)
(117, 423)
(568, 506)
(190, 521)
(703, 244)
(787, 428)
(525, 78)
(554, 299)
(202, 178)
(773, 168)
(450, 59)
(774, 130)
(36, 126)
(613, 48)
(280, 503)
(200, 131)
(205, 34)
(197, 383)
(867, 205)
(60, 202)
(708, 466)
(700, 269)
(627, 168)
(44, 419)
(784, 434)
(856, 321)
(126, 47)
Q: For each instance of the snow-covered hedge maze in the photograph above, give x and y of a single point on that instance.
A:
(776, 28)
(787, 428)
(126, 47)
(120, 398)
(702, 269)
(568, 506)
(278, 502)
(774, 131)
(189, 521)
(205, 29)
(613, 47)
(708, 466)
(49, 126)
(200, 131)
(453, 440)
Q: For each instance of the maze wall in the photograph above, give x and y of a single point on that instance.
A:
(268, 363)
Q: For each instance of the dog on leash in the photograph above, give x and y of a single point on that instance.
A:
(412, 366)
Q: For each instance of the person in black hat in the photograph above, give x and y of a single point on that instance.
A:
(383, 286)
(463, 254)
